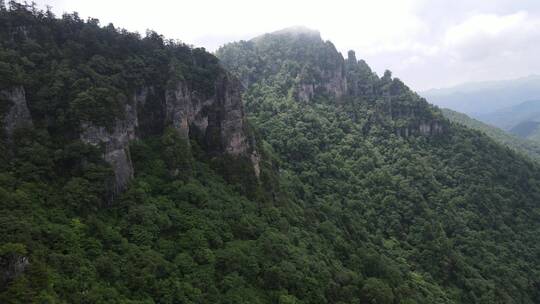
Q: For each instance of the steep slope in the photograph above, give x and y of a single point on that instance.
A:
(523, 146)
(91, 119)
(485, 97)
(379, 170)
(62, 78)
(308, 67)
(304, 67)
(365, 193)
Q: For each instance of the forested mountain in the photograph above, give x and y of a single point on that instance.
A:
(376, 169)
(134, 170)
(499, 103)
(524, 146)
(480, 98)
(522, 120)
(529, 129)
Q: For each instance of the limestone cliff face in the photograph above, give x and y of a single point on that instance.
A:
(16, 113)
(324, 74)
(424, 128)
(217, 121)
(410, 114)
(360, 78)
(431, 128)
(115, 143)
(329, 80)
(336, 83)
(12, 266)
(419, 120)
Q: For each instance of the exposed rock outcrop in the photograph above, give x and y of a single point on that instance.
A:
(16, 113)
(12, 266)
(360, 77)
(300, 62)
(229, 116)
(336, 83)
(305, 92)
(333, 84)
(315, 66)
(430, 128)
(326, 75)
(425, 128)
(115, 143)
(417, 117)
(217, 121)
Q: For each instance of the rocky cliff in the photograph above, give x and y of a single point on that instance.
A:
(329, 82)
(13, 263)
(15, 113)
(114, 87)
(360, 78)
(324, 76)
(216, 121)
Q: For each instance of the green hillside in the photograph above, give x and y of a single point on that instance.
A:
(523, 146)
(338, 187)
(439, 205)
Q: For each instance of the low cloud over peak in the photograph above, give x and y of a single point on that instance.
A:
(427, 43)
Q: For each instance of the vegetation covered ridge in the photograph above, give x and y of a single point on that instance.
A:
(348, 206)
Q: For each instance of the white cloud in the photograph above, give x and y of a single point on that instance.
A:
(427, 43)
(483, 36)
(484, 25)
(475, 47)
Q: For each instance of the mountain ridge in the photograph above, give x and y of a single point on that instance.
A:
(524, 146)
(509, 117)
(325, 73)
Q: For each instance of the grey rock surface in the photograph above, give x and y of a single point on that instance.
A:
(218, 119)
(11, 267)
(17, 114)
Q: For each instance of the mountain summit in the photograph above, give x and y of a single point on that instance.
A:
(308, 68)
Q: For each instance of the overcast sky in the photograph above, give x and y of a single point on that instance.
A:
(426, 43)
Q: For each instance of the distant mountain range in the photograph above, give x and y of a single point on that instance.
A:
(510, 117)
(510, 105)
(480, 98)
(513, 139)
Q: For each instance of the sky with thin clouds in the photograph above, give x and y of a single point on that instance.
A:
(426, 43)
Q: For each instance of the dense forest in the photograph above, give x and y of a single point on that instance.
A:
(364, 193)
(443, 209)
(524, 146)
